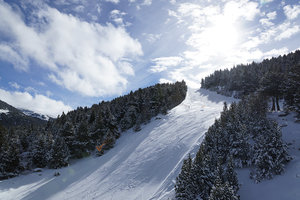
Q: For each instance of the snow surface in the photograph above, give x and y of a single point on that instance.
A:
(4, 111)
(281, 187)
(35, 114)
(144, 165)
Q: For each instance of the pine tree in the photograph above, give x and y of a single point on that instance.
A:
(182, 180)
(40, 155)
(230, 176)
(222, 191)
(270, 152)
(10, 165)
(137, 126)
(59, 153)
(241, 149)
(201, 176)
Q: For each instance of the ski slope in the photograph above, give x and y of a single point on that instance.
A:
(142, 165)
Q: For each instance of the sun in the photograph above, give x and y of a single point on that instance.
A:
(222, 36)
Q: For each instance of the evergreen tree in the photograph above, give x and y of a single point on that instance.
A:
(230, 176)
(270, 153)
(222, 191)
(241, 149)
(59, 154)
(201, 176)
(10, 165)
(40, 152)
(181, 184)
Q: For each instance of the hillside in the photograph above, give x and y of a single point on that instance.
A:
(142, 165)
(11, 116)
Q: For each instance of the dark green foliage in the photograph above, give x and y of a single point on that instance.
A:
(201, 176)
(291, 85)
(230, 176)
(274, 78)
(271, 85)
(182, 181)
(222, 191)
(59, 153)
(270, 152)
(40, 153)
(10, 165)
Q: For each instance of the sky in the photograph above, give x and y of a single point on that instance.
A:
(57, 55)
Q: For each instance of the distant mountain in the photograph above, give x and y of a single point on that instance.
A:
(11, 116)
(35, 114)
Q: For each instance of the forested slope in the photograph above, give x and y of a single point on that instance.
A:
(243, 136)
(78, 133)
(277, 78)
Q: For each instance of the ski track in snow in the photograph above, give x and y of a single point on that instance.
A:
(144, 165)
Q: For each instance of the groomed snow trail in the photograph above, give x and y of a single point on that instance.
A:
(141, 166)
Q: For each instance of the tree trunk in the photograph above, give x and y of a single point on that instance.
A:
(273, 104)
(277, 103)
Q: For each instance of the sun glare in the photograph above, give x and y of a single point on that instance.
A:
(223, 36)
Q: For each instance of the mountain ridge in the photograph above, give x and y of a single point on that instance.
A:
(11, 116)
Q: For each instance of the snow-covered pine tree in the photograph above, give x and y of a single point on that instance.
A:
(241, 149)
(10, 165)
(222, 191)
(39, 152)
(59, 153)
(182, 180)
(269, 152)
(230, 176)
(137, 126)
(201, 177)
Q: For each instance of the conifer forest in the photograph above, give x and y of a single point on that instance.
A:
(77, 134)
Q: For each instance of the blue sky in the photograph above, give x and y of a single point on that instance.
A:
(58, 55)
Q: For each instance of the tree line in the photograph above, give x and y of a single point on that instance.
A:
(275, 78)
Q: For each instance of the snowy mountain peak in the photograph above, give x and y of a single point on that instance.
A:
(35, 114)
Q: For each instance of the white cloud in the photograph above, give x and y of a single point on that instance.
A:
(173, 1)
(114, 1)
(147, 2)
(287, 33)
(98, 8)
(291, 12)
(79, 8)
(152, 37)
(272, 15)
(117, 17)
(266, 22)
(275, 52)
(164, 63)
(238, 9)
(69, 2)
(38, 103)
(163, 80)
(81, 56)
(14, 85)
(263, 2)
(8, 54)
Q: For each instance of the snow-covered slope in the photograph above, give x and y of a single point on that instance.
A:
(35, 114)
(281, 187)
(142, 165)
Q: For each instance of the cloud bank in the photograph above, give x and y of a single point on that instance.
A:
(81, 57)
(38, 102)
